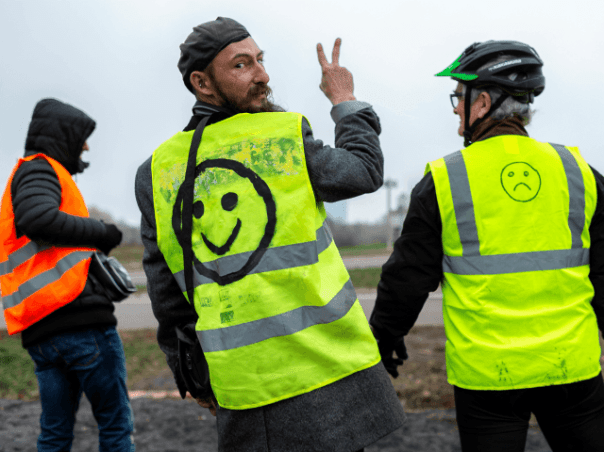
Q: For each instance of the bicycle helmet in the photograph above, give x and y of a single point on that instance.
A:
(523, 60)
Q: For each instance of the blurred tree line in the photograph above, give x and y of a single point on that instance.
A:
(131, 234)
(346, 234)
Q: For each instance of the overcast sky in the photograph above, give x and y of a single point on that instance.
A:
(116, 60)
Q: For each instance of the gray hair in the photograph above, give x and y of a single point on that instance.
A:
(510, 107)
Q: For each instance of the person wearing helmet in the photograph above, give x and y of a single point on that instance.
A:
(233, 222)
(513, 230)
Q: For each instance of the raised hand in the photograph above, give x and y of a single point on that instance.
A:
(336, 81)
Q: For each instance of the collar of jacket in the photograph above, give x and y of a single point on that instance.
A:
(492, 128)
(201, 109)
(81, 165)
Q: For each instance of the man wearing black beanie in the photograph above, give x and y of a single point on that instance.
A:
(233, 221)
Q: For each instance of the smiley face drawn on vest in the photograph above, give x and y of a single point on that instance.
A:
(520, 181)
(229, 201)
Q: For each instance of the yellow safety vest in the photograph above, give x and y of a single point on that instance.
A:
(516, 291)
(278, 315)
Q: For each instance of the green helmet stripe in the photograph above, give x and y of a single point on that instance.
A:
(448, 71)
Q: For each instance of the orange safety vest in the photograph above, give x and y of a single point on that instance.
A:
(36, 279)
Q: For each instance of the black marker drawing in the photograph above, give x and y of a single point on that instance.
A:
(520, 181)
(229, 202)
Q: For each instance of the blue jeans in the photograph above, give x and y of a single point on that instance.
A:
(90, 361)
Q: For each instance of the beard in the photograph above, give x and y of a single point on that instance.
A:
(244, 105)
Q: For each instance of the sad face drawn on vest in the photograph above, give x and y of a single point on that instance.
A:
(520, 181)
(227, 215)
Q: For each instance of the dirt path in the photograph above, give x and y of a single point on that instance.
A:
(176, 426)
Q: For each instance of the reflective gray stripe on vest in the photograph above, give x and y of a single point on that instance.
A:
(472, 263)
(576, 194)
(277, 258)
(19, 256)
(516, 263)
(462, 203)
(43, 279)
(283, 324)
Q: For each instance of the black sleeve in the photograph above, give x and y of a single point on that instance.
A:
(596, 252)
(169, 305)
(355, 166)
(36, 195)
(415, 267)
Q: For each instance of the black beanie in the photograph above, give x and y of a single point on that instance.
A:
(206, 41)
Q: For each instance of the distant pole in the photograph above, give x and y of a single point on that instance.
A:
(389, 184)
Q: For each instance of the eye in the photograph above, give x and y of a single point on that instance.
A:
(198, 209)
(239, 65)
(229, 201)
(511, 174)
(526, 174)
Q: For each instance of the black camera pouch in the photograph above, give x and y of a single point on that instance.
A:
(192, 363)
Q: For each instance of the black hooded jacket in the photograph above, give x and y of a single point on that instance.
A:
(59, 131)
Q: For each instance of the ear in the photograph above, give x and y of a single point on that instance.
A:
(201, 83)
(482, 104)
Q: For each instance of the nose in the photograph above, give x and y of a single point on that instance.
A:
(261, 74)
(85, 147)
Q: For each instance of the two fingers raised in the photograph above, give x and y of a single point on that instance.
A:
(335, 54)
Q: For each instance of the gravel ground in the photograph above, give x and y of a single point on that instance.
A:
(174, 425)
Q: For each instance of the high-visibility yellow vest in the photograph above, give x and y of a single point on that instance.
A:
(516, 291)
(36, 280)
(278, 315)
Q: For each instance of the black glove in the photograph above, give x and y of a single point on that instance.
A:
(112, 238)
(387, 345)
(180, 384)
(192, 364)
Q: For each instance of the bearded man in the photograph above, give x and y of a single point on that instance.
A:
(292, 362)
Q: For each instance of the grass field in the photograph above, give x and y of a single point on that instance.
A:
(18, 380)
(365, 277)
(17, 377)
(130, 256)
(422, 383)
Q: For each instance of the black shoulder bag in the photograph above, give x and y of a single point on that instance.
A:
(112, 278)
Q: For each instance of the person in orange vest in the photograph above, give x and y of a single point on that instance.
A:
(66, 322)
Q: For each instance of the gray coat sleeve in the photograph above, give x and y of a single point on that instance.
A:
(169, 305)
(356, 165)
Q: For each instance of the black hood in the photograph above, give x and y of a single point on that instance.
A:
(59, 131)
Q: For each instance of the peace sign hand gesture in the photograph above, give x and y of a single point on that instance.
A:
(336, 81)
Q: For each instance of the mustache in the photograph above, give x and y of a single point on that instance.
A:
(260, 88)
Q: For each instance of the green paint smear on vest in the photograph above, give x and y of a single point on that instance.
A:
(226, 317)
(269, 157)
